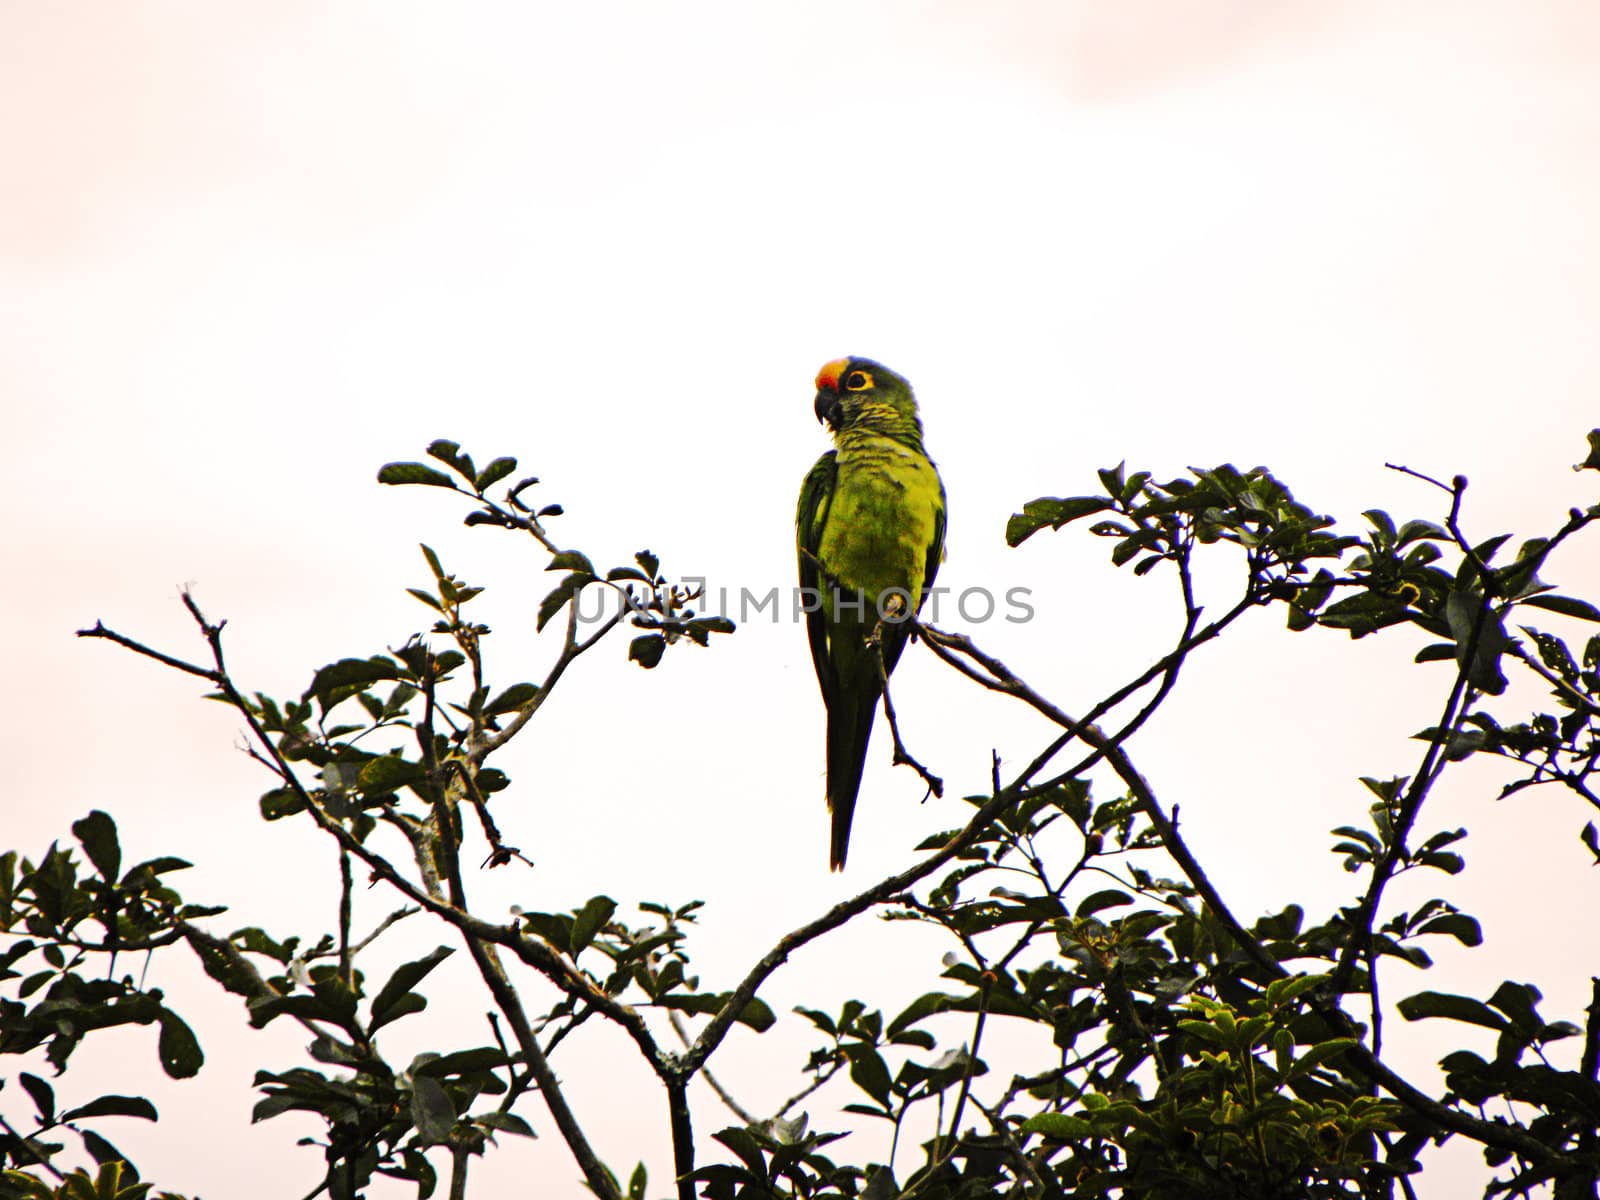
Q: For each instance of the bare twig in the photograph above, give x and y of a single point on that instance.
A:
(971, 1064)
(902, 756)
(822, 1077)
(1572, 694)
(177, 664)
(22, 1142)
(723, 1094)
(398, 914)
(499, 852)
(571, 648)
(345, 956)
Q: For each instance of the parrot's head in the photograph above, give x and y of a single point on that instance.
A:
(859, 393)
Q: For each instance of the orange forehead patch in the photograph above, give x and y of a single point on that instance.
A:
(828, 377)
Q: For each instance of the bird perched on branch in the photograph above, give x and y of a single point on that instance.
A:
(870, 533)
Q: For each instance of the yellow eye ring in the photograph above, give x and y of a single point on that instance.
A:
(857, 381)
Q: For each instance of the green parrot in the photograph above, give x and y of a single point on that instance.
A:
(870, 533)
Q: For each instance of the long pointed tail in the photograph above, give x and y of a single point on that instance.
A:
(849, 731)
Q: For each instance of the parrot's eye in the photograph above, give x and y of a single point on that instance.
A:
(858, 381)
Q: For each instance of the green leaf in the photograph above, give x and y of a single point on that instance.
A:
(1363, 613)
(1467, 612)
(114, 1106)
(1590, 837)
(1382, 525)
(350, 673)
(1061, 1126)
(1413, 530)
(462, 1062)
(387, 773)
(43, 1095)
(756, 1015)
(431, 1110)
(180, 1052)
(1553, 653)
(1517, 1001)
(447, 451)
(1321, 1053)
(102, 1151)
(432, 560)
(1592, 462)
(590, 920)
(571, 560)
(495, 472)
(744, 1144)
(1487, 549)
(820, 1019)
(505, 1122)
(564, 591)
(513, 698)
(646, 649)
(921, 1008)
(700, 627)
(280, 803)
(420, 1171)
(1109, 898)
(1207, 1032)
(414, 472)
(1565, 605)
(1050, 511)
(869, 1072)
(1450, 1008)
(1281, 991)
(402, 1006)
(423, 596)
(1460, 926)
(405, 977)
(98, 833)
(1447, 861)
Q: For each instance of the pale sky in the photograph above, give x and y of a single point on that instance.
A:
(248, 253)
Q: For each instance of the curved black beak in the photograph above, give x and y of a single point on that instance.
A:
(827, 408)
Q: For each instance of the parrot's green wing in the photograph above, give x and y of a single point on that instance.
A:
(816, 498)
(894, 636)
(935, 547)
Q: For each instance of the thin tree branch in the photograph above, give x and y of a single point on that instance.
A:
(822, 1077)
(902, 756)
(177, 664)
(23, 1143)
(1578, 699)
(345, 887)
(682, 1135)
(571, 648)
(723, 1094)
(458, 1172)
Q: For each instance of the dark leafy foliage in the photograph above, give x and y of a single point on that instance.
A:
(1182, 1051)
